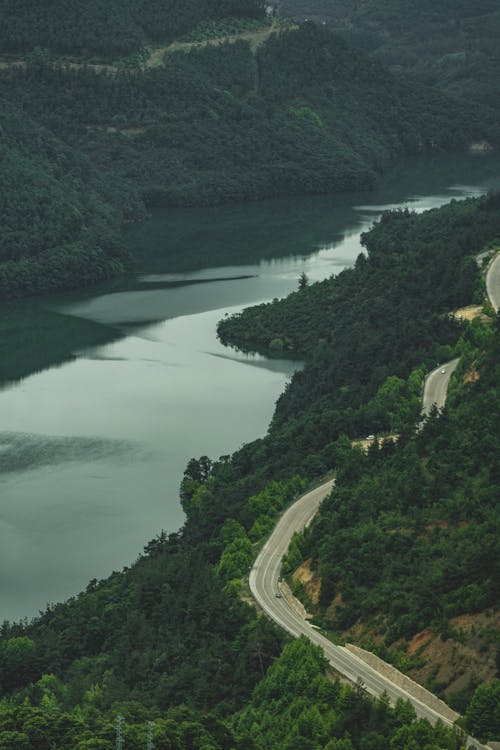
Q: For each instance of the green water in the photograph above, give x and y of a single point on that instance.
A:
(107, 394)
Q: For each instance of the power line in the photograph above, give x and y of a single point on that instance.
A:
(151, 729)
(119, 732)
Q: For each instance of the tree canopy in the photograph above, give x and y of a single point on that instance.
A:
(110, 29)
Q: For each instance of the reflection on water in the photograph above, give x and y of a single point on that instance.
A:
(179, 240)
(21, 451)
(76, 505)
(113, 390)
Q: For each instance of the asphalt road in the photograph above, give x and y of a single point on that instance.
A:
(436, 386)
(493, 282)
(264, 578)
(265, 574)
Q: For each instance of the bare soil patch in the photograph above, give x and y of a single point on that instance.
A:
(365, 443)
(466, 656)
(255, 39)
(468, 313)
(309, 579)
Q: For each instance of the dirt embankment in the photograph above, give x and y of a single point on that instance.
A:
(450, 663)
(467, 656)
(309, 579)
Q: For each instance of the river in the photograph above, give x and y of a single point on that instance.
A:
(107, 394)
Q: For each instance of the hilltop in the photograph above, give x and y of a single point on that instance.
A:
(114, 28)
(452, 45)
(300, 113)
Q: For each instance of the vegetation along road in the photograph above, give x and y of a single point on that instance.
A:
(264, 578)
(265, 574)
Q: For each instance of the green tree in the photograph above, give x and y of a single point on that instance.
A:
(303, 280)
(483, 713)
(12, 740)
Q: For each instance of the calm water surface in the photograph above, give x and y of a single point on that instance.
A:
(100, 412)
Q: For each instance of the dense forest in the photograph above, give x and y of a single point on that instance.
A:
(56, 229)
(450, 44)
(304, 113)
(169, 651)
(403, 506)
(365, 333)
(169, 639)
(408, 539)
(293, 707)
(110, 29)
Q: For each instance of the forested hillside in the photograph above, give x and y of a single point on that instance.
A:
(406, 544)
(294, 706)
(56, 231)
(306, 114)
(303, 114)
(169, 640)
(365, 333)
(451, 44)
(107, 29)
(401, 559)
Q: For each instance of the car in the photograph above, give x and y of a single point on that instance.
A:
(278, 595)
(443, 372)
(370, 437)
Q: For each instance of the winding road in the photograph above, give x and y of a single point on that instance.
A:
(265, 574)
(493, 282)
(436, 386)
(264, 578)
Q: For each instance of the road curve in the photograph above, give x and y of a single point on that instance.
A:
(265, 574)
(436, 386)
(264, 578)
(493, 282)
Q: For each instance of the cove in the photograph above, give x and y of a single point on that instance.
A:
(107, 394)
